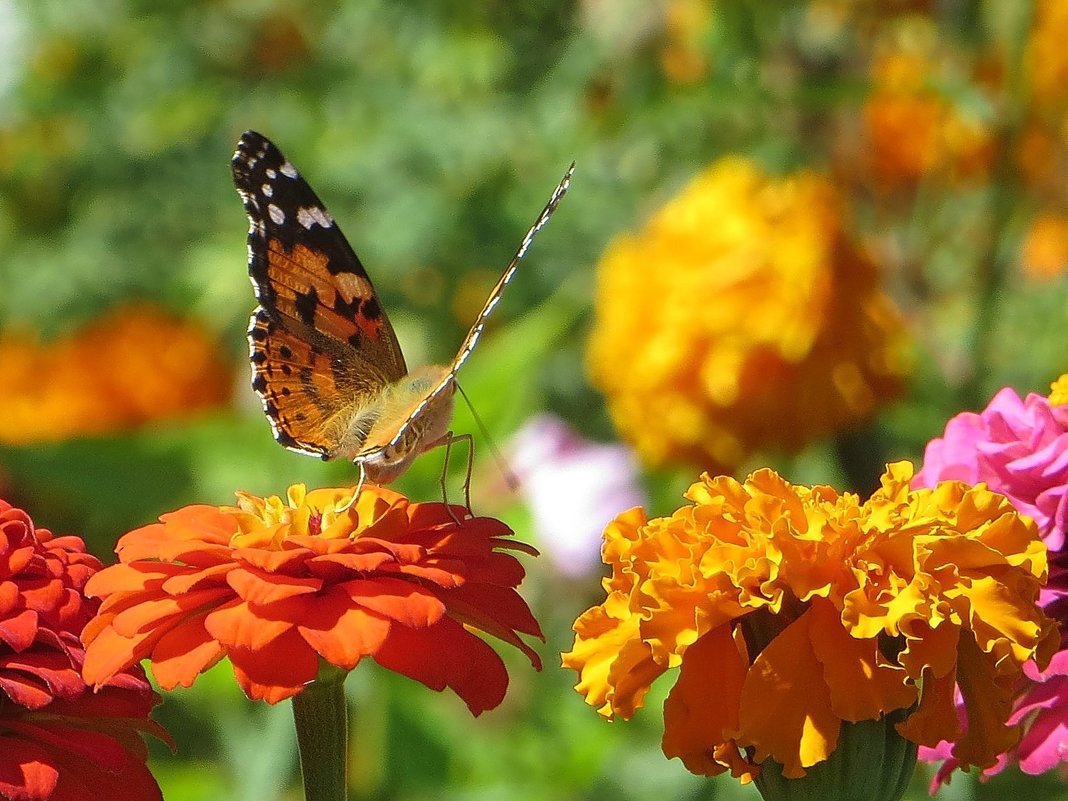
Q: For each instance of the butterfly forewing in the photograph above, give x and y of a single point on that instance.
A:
(320, 342)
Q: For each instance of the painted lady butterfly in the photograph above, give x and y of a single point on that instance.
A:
(325, 361)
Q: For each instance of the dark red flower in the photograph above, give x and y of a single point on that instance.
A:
(58, 739)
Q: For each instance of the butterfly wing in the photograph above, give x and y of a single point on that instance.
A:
(319, 341)
(429, 385)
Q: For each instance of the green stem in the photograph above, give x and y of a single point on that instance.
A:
(322, 736)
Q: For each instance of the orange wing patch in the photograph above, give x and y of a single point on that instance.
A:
(301, 395)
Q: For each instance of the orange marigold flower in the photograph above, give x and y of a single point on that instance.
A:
(59, 739)
(136, 365)
(790, 609)
(276, 584)
(742, 317)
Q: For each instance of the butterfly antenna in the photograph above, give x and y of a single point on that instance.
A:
(510, 478)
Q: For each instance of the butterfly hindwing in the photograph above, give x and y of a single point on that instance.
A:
(318, 316)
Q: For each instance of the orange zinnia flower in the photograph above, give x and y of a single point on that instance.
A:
(274, 585)
(59, 739)
(791, 611)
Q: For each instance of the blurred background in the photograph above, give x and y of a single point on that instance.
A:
(904, 159)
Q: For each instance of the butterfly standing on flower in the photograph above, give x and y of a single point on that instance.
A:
(325, 361)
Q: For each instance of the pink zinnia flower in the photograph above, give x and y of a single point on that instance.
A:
(1019, 448)
(573, 487)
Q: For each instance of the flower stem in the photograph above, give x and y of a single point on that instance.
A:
(322, 737)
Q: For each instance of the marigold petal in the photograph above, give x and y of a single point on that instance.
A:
(599, 643)
(275, 671)
(863, 686)
(988, 702)
(473, 670)
(931, 652)
(1000, 622)
(786, 705)
(935, 719)
(702, 709)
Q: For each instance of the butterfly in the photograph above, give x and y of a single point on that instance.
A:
(326, 363)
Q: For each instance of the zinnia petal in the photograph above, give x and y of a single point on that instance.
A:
(277, 584)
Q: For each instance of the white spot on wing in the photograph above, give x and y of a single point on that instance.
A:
(288, 170)
(276, 213)
(314, 215)
(270, 173)
(267, 190)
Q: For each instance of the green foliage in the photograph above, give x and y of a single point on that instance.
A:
(434, 132)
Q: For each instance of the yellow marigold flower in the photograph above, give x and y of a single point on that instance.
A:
(135, 365)
(1044, 254)
(790, 610)
(741, 317)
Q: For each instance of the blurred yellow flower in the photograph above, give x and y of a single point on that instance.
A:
(135, 365)
(790, 610)
(1044, 254)
(741, 318)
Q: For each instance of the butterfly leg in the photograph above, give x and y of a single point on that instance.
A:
(448, 441)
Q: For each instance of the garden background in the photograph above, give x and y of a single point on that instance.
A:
(434, 132)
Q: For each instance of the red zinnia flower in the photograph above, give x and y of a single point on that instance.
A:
(60, 740)
(274, 585)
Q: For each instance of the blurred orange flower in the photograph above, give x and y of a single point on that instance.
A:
(1046, 59)
(60, 740)
(912, 129)
(136, 365)
(742, 317)
(789, 610)
(276, 584)
(1044, 254)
